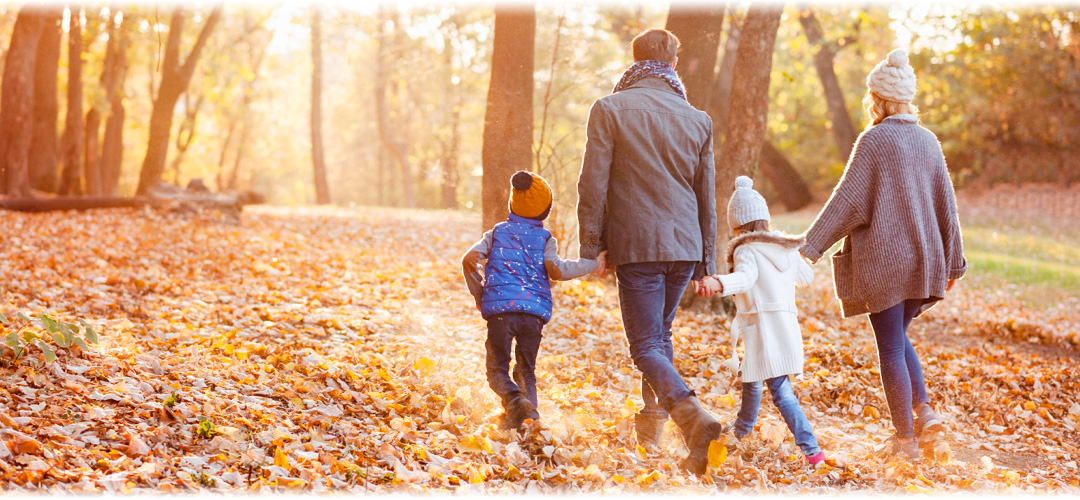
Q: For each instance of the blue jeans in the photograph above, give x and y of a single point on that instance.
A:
(649, 294)
(901, 373)
(502, 330)
(785, 400)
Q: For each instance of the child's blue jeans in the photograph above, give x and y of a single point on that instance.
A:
(784, 398)
(502, 330)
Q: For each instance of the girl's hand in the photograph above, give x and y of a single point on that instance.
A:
(713, 287)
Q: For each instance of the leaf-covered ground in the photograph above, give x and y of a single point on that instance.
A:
(316, 350)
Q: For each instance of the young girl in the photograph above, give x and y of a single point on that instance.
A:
(765, 266)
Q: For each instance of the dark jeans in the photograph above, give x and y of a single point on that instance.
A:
(783, 396)
(901, 373)
(649, 294)
(502, 330)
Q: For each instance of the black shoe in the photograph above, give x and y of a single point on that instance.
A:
(517, 410)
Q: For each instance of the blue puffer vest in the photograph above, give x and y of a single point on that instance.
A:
(515, 279)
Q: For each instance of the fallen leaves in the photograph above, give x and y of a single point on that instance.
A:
(338, 350)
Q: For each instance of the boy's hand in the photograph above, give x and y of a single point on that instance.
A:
(601, 265)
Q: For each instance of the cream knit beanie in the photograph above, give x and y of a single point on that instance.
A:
(746, 205)
(893, 78)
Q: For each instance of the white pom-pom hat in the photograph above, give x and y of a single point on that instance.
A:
(893, 79)
(746, 205)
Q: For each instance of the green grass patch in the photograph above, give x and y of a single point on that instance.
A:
(1045, 265)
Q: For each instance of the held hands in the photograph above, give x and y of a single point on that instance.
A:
(602, 265)
(708, 286)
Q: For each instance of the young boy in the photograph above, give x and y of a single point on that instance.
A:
(514, 294)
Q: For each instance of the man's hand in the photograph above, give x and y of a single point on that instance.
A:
(601, 265)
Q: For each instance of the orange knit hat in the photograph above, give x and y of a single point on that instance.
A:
(530, 195)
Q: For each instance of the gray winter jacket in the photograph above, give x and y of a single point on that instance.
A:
(646, 191)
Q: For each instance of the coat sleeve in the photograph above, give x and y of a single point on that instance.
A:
(848, 206)
(470, 266)
(593, 182)
(705, 190)
(804, 274)
(742, 279)
(949, 224)
(563, 270)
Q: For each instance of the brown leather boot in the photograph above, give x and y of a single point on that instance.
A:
(649, 428)
(699, 428)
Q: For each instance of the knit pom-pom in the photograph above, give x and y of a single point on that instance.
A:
(743, 181)
(898, 58)
(521, 180)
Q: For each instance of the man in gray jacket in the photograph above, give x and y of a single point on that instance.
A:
(646, 195)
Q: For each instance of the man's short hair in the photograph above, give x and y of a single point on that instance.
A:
(657, 44)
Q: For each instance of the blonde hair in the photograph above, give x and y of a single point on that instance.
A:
(879, 108)
(760, 225)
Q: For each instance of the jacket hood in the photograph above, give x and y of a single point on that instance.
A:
(778, 251)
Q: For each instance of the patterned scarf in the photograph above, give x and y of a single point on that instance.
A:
(647, 68)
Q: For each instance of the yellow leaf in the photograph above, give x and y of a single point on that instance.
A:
(647, 478)
(476, 475)
(617, 478)
(641, 452)
(717, 454)
(280, 459)
(512, 473)
(383, 375)
(727, 400)
(473, 443)
(425, 366)
(297, 402)
(1029, 405)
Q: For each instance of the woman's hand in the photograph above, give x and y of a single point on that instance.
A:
(948, 286)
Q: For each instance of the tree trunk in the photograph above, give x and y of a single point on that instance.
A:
(71, 174)
(698, 27)
(842, 127)
(453, 144)
(242, 118)
(749, 104)
(789, 185)
(92, 149)
(393, 147)
(508, 121)
(322, 190)
(17, 102)
(43, 159)
(185, 135)
(718, 104)
(175, 77)
(112, 148)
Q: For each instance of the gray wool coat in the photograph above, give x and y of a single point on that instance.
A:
(646, 192)
(896, 210)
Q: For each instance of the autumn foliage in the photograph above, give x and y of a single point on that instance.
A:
(330, 349)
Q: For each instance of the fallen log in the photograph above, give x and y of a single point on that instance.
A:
(181, 201)
(31, 204)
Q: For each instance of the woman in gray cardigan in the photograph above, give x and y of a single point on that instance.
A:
(896, 210)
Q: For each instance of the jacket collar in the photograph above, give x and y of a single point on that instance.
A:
(524, 220)
(902, 118)
(655, 83)
(775, 237)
